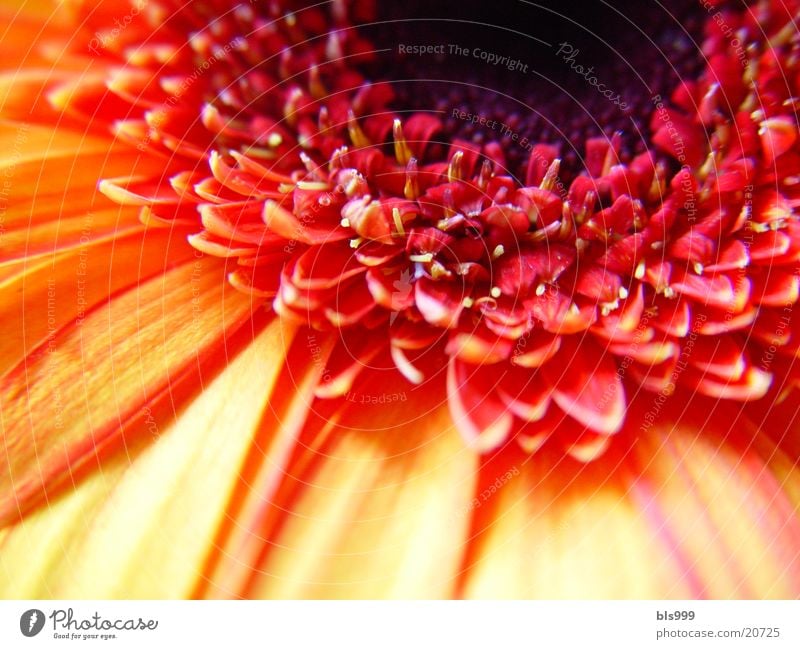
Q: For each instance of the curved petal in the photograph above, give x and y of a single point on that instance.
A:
(587, 386)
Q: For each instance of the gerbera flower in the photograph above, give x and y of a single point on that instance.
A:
(280, 325)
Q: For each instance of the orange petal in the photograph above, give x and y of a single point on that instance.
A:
(69, 233)
(40, 160)
(726, 501)
(382, 509)
(25, 25)
(240, 543)
(44, 296)
(74, 392)
(554, 529)
(163, 501)
(22, 90)
(695, 515)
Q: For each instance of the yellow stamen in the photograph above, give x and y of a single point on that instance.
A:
(398, 221)
(424, 259)
(310, 185)
(438, 271)
(357, 136)
(315, 85)
(454, 168)
(411, 189)
(485, 175)
(402, 152)
(549, 180)
(291, 105)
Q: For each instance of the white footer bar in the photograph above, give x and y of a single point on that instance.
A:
(399, 624)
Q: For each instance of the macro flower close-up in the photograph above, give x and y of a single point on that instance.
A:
(363, 300)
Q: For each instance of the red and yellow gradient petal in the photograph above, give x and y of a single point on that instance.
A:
(142, 523)
(681, 515)
(161, 438)
(75, 393)
(374, 504)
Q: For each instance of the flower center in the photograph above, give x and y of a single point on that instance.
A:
(522, 73)
(557, 245)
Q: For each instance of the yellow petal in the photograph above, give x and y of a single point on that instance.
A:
(239, 545)
(691, 515)
(381, 512)
(142, 527)
(730, 516)
(550, 537)
(73, 394)
(43, 296)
